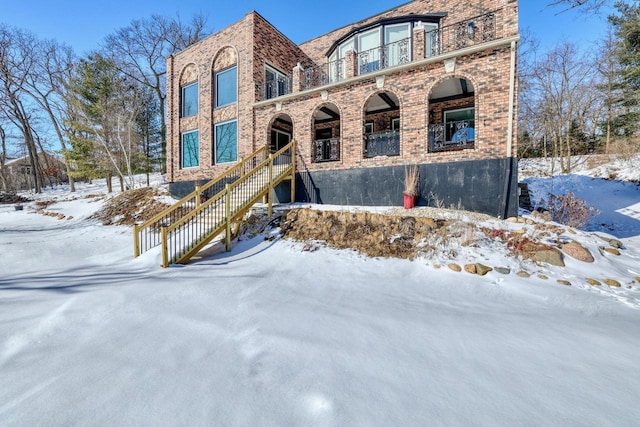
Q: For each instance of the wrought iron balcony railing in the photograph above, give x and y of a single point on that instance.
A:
(324, 74)
(451, 136)
(470, 32)
(382, 144)
(383, 57)
(274, 88)
(327, 150)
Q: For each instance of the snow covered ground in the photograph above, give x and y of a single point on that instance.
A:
(270, 335)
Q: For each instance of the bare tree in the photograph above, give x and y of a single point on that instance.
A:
(563, 100)
(585, 5)
(140, 51)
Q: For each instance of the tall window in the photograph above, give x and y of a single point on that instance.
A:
(277, 84)
(432, 40)
(189, 100)
(227, 87)
(368, 44)
(396, 39)
(226, 135)
(190, 150)
(460, 124)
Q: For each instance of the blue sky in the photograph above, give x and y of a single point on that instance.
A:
(83, 24)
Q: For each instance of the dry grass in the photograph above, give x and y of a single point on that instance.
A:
(131, 207)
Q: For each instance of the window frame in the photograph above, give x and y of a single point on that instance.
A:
(225, 71)
(183, 104)
(215, 142)
(182, 149)
(279, 76)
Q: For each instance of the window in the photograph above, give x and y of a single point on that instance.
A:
(460, 125)
(190, 150)
(395, 124)
(189, 100)
(369, 54)
(276, 83)
(368, 128)
(226, 141)
(279, 139)
(226, 87)
(396, 39)
(432, 44)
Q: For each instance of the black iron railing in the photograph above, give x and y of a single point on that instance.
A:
(389, 55)
(324, 74)
(467, 33)
(382, 144)
(274, 88)
(451, 136)
(327, 150)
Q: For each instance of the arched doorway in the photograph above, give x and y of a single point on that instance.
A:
(326, 134)
(452, 112)
(280, 132)
(382, 125)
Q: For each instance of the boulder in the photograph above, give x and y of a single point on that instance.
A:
(503, 270)
(612, 283)
(470, 268)
(577, 251)
(523, 274)
(550, 256)
(593, 282)
(612, 251)
(564, 282)
(482, 269)
(543, 277)
(455, 267)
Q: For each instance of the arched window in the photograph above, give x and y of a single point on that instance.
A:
(452, 112)
(381, 125)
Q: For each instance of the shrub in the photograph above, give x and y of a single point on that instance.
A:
(570, 210)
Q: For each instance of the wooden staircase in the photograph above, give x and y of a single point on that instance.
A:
(216, 207)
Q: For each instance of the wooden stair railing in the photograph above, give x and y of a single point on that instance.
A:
(191, 223)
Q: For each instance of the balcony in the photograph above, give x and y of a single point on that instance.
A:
(327, 150)
(450, 38)
(385, 143)
(274, 88)
(451, 136)
(387, 56)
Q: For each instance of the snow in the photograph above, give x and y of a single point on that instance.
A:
(271, 335)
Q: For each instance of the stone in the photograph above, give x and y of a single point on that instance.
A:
(512, 219)
(615, 243)
(593, 282)
(543, 277)
(482, 269)
(637, 278)
(577, 251)
(455, 267)
(564, 282)
(503, 270)
(612, 251)
(550, 256)
(572, 231)
(612, 283)
(437, 266)
(523, 274)
(470, 268)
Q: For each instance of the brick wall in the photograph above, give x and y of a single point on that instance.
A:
(253, 42)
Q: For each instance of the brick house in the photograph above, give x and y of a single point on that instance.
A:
(431, 83)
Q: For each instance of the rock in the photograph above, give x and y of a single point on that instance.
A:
(593, 282)
(529, 222)
(512, 219)
(470, 268)
(523, 274)
(615, 243)
(612, 283)
(564, 282)
(577, 251)
(612, 251)
(572, 231)
(503, 270)
(455, 267)
(543, 277)
(482, 269)
(437, 266)
(549, 256)
(637, 278)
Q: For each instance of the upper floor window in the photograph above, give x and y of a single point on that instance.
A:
(226, 87)
(189, 100)
(276, 83)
